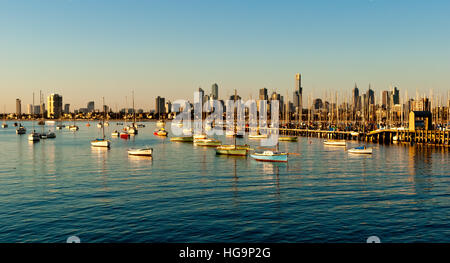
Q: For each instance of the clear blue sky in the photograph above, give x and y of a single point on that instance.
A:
(88, 49)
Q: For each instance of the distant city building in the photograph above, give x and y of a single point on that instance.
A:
(55, 106)
(237, 97)
(18, 107)
(422, 105)
(263, 94)
(168, 107)
(318, 104)
(37, 109)
(82, 110)
(160, 105)
(299, 88)
(370, 96)
(66, 108)
(385, 99)
(215, 91)
(30, 109)
(91, 106)
(396, 96)
(356, 98)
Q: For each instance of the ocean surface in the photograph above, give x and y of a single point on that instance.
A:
(57, 188)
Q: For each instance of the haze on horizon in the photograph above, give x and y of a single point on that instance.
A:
(85, 50)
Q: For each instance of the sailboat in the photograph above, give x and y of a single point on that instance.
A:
(21, 130)
(102, 142)
(133, 128)
(234, 149)
(73, 127)
(34, 136)
(4, 124)
(270, 156)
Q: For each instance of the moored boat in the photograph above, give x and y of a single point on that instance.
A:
(361, 150)
(160, 132)
(233, 150)
(101, 143)
(21, 130)
(124, 135)
(335, 142)
(73, 128)
(182, 139)
(270, 156)
(160, 123)
(34, 137)
(115, 133)
(141, 152)
(288, 138)
(257, 136)
(208, 142)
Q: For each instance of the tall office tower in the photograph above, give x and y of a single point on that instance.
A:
(263, 94)
(396, 96)
(385, 99)
(202, 93)
(36, 109)
(356, 104)
(168, 106)
(215, 91)
(30, 109)
(66, 108)
(18, 107)
(55, 106)
(160, 105)
(370, 96)
(91, 106)
(299, 88)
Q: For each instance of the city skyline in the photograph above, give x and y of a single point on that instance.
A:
(171, 49)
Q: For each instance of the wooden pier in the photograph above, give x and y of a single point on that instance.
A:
(386, 136)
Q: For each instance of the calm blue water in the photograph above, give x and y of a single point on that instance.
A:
(57, 188)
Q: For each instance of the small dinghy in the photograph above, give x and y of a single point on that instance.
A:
(141, 152)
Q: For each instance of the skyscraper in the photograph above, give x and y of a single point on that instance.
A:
(30, 109)
(91, 106)
(160, 105)
(396, 96)
(215, 91)
(263, 94)
(18, 107)
(299, 88)
(356, 99)
(66, 108)
(54, 102)
(385, 99)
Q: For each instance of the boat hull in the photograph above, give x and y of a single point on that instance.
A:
(234, 150)
(141, 152)
(287, 139)
(361, 151)
(182, 139)
(101, 143)
(280, 158)
(335, 143)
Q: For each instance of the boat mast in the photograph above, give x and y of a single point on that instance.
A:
(134, 112)
(235, 118)
(103, 119)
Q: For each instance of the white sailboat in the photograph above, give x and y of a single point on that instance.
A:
(4, 124)
(133, 128)
(102, 142)
(34, 136)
